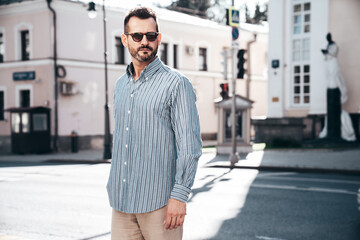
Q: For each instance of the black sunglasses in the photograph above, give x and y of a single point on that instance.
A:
(137, 37)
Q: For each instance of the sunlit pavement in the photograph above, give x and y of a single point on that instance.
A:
(69, 201)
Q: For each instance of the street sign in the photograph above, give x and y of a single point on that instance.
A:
(19, 76)
(235, 33)
(234, 17)
(235, 45)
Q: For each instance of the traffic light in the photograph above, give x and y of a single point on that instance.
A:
(241, 62)
(224, 90)
(224, 61)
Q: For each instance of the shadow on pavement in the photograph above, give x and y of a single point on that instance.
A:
(207, 186)
(96, 236)
(280, 214)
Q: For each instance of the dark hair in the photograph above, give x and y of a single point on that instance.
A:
(142, 13)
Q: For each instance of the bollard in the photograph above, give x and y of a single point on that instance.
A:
(74, 141)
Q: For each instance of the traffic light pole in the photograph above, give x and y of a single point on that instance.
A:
(233, 19)
(234, 157)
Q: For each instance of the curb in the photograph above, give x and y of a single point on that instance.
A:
(78, 161)
(293, 169)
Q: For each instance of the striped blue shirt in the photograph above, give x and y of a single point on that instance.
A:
(156, 139)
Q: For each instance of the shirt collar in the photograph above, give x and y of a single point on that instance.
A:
(148, 71)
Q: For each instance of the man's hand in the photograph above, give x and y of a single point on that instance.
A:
(175, 212)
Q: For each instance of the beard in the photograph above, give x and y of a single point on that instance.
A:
(144, 56)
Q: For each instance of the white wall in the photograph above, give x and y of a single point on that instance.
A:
(277, 46)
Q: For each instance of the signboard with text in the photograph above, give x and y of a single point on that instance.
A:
(21, 76)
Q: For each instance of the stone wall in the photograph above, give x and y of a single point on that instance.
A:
(279, 131)
(291, 132)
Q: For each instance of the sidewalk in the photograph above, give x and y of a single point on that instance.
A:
(85, 156)
(320, 160)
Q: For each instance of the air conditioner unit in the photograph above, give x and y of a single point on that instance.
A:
(68, 88)
(190, 50)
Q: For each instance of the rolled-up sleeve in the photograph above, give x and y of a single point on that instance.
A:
(186, 127)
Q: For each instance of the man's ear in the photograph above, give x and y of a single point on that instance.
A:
(124, 40)
(159, 39)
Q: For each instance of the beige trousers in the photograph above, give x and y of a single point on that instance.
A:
(142, 226)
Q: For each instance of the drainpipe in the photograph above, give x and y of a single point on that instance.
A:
(248, 71)
(55, 142)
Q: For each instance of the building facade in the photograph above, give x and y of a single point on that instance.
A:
(297, 78)
(27, 77)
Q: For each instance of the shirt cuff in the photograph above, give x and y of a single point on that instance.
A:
(180, 193)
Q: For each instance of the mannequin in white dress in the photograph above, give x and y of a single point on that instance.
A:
(337, 122)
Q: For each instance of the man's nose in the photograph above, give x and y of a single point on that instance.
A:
(144, 40)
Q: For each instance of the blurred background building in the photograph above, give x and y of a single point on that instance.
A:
(297, 81)
(190, 44)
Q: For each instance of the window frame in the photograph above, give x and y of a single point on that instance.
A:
(3, 107)
(2, 44)
(300, 56)
(120, 47)
(201, 55)
(25, 45)
(176, 56)
(19, 88)
(18, 43)
(164, 52)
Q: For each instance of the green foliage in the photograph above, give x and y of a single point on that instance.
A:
(215, 10)
(259, 16)
(193, 7)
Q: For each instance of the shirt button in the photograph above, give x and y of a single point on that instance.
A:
(147, 78)
(125, 163)
(126, 145)
(129, 112)
(131, 95)
(127, 129)
(124, 180)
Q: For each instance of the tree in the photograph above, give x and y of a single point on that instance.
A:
(259, 16)
(248, 19)
(197, 8)
(215, 10)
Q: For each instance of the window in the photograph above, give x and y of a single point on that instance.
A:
(301, 19)
(202, 59)
(120, 51)
(2, 47)
(23, 41)
(175, 56)
(24, 95)
(39, 121)
(25, 123)
(301, 49)
(300, 83)
(228, 125)
(25, 45)
(164, 53)
(2, 105)
(15, 122)
(24, 98)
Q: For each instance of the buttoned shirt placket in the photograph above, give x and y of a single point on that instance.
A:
(125, 158)
(133, 86)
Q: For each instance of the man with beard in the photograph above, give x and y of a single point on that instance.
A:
(156, 143)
